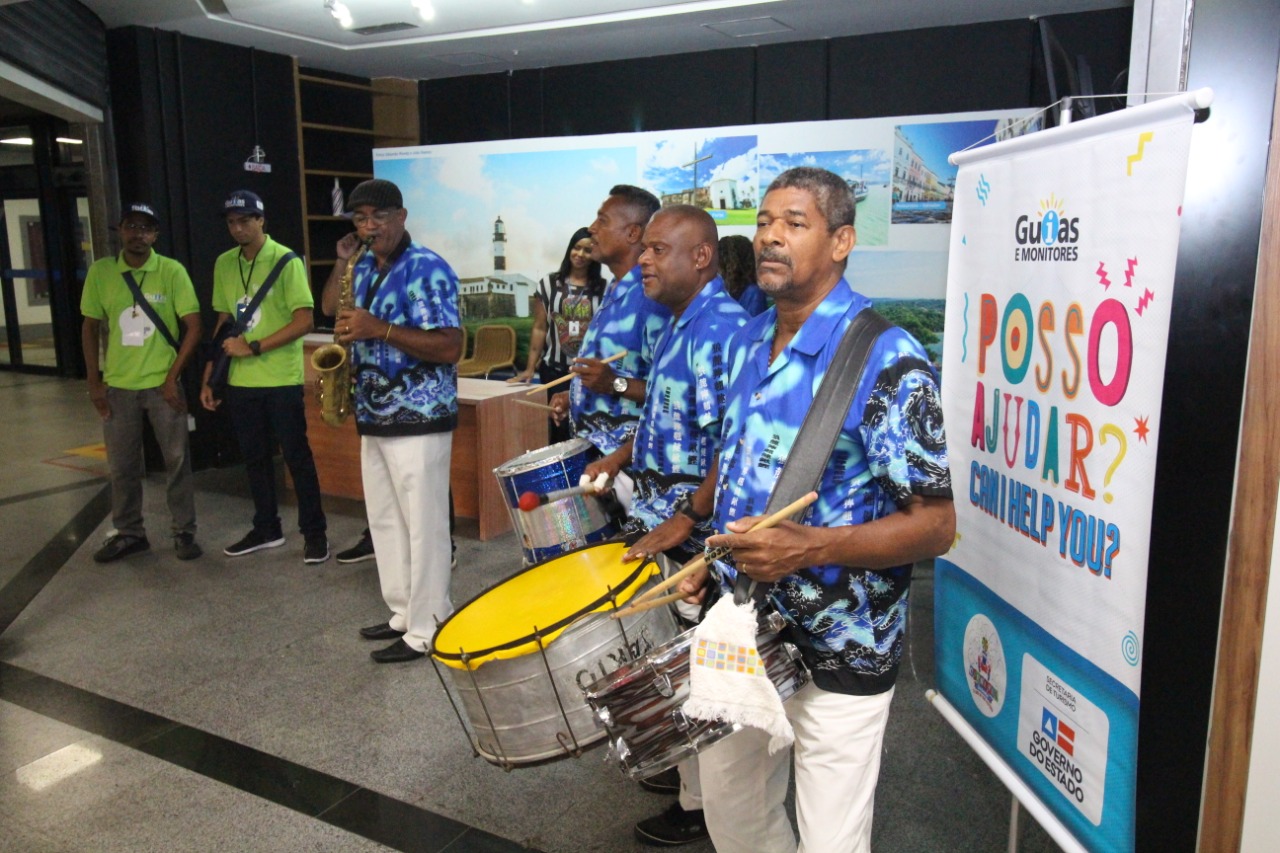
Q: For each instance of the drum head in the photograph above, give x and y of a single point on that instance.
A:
(535, 459)
(536, 605)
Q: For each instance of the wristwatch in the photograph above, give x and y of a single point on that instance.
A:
(256, 346)
(620, 384)
(684, 506)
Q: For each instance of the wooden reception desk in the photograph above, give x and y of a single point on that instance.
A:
(492, 429)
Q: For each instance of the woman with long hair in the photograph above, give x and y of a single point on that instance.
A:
(567, 300)
(738, 269)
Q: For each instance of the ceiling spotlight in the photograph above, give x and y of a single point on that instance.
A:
(426, 11)
(340, 13)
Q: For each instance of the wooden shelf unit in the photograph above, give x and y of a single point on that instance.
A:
(340, 120)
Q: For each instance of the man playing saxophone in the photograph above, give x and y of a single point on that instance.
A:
(405, 339)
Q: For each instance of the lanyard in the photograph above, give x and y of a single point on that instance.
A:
(244, 280)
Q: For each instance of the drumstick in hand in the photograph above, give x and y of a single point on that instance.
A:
(640, 607)
(567, 377)
(706, 556)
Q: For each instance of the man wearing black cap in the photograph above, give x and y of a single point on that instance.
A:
(405, 338)
(142, 298)
(265, 385)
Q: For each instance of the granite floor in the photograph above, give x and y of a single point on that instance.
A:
(222, 704)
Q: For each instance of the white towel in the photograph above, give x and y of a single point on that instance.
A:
(727, 679)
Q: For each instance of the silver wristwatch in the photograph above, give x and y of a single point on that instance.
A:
(620, 385)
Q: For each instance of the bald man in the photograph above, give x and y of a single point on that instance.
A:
(672, 457)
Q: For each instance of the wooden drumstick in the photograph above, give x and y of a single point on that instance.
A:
(553, 383)
(534, 405)
(648, 605)
(702, 559)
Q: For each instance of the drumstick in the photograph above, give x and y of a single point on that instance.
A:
(535, 405)
(641, 607)
(716, 553)
(567, 377)
(529, 501)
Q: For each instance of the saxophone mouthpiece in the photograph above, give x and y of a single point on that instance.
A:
(368, 241)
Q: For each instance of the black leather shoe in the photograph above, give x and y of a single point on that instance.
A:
(397, 652)
(672, 828)
(666, 782)
(381, 632)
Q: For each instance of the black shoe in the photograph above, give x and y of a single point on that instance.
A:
(119, 546)
(362, 550)
(381, 632)
(666, 782)
(184, 545)
(254, 541)
(316, 550)
(397, 652)
(672, 828)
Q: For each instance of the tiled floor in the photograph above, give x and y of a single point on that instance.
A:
(230, 705)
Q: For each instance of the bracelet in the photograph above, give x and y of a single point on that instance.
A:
(387, 337)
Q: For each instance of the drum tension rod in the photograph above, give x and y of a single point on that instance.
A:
(564, 715)
(503, 761)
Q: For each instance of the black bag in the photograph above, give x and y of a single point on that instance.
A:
(221, 371)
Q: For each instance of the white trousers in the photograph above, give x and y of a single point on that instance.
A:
(837, 761)
(406, 493)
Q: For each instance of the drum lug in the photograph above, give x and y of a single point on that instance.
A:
(662, 684)
(681, 720)
(605, 718)
(774, 622)
(621, 752)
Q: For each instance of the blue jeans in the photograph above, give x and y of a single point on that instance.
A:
(260, 417)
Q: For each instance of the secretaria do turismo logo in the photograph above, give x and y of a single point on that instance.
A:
(1047, 235)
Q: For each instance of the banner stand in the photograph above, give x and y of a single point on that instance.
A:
(1021, 793)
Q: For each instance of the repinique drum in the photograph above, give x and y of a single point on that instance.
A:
(641, 703)
(562, 525)
(518, 654)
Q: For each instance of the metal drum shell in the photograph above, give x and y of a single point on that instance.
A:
(560, 526)
(641, 718)
(521, 696)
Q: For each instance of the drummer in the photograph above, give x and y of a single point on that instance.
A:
(843, 576)
(605, 400)
(673, 453)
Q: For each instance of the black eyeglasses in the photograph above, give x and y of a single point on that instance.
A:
(379, 217)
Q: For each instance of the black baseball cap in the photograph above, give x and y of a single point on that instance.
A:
(243, 202)
(143, 208)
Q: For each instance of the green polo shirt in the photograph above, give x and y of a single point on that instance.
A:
(235, 283)
(138, 356)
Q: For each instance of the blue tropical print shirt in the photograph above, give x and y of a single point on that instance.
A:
(679, 436)
(849, 622)
(627, 320)
(752, 300)
(396, 394)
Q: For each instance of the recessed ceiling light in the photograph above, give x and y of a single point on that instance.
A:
(750, 27)
(17, 140)
(340, 13)
(426, 11)
(69, 140)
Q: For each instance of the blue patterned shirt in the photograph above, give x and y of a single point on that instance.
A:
(892, 446)
(627, 320)
(396, 394)
(679, 436)
(752, 299)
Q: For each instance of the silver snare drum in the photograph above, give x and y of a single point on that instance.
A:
(641, 704)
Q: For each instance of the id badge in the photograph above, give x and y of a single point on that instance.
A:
(575, 329)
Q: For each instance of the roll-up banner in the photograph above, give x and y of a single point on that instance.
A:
(1062, 254)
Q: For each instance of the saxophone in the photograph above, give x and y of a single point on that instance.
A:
(332, 362)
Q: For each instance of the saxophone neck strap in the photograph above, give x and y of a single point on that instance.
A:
(400, 249)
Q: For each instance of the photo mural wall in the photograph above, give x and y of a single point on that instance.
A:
(502, 212)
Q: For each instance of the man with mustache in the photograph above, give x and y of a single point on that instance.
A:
(840, 575)
(405, 338)
(141, 378)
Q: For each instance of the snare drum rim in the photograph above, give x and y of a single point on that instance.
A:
(625, 590)
(571, 447)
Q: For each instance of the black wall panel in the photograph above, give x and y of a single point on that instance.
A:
(791, 82)
(59, 41)
(465, 109)
(938, 70)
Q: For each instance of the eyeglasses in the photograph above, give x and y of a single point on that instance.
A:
(379, 217)
(137, 226)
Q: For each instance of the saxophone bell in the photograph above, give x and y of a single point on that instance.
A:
(332, 362)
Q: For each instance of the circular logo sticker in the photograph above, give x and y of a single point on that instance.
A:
(984, 665)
